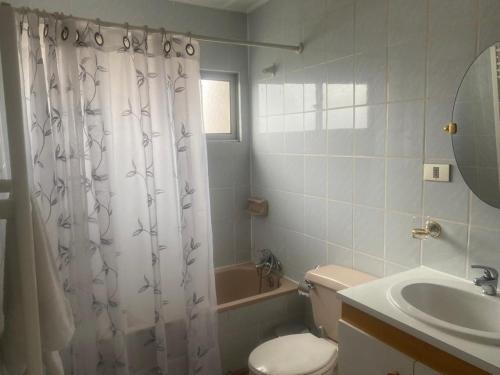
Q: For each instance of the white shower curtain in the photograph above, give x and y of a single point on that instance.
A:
(120, 171)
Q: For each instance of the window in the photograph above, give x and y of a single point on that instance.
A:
(219, 94)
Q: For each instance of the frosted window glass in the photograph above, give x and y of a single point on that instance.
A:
(216, 106)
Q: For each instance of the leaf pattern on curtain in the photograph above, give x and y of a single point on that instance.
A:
(119, 168)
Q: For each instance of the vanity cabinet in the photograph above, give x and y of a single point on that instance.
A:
(360, 353)
(369, 346)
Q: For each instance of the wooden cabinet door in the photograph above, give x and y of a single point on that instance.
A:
(360, 353)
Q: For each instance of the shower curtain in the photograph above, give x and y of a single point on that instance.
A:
(119, 168)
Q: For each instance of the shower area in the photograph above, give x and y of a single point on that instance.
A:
(125, 225)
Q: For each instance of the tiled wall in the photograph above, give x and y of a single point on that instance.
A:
(229, 169)
(341, 133)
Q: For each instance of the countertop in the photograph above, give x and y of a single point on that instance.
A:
(371, 298)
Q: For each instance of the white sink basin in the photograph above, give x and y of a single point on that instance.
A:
(454, 306)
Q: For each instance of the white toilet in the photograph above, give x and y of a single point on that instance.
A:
(306, 354)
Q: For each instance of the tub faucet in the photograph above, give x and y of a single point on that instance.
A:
(269, 262)
(489, 281)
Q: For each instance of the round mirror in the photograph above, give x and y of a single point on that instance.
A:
(476, 136)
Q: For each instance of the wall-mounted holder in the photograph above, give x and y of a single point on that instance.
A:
(431, 229)
(257, 206)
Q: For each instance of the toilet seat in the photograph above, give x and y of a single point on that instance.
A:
(301, 354)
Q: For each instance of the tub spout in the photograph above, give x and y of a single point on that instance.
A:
(269, 262)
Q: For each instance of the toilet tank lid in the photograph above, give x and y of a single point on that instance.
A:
(337, 277)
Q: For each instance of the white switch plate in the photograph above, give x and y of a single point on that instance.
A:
(437, 172)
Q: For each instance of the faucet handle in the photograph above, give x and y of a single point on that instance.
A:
(489, 272)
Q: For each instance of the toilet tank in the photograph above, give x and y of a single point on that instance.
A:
(326, 304)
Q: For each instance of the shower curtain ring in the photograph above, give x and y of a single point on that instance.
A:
(167, 46)
(166, 43)
(189, 47)
(21, 23)
(126, 40)
(65, 33)
(99, 39)
(45, 28)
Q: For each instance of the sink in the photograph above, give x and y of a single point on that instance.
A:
(457, 307)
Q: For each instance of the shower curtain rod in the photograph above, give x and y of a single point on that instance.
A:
(205, 38)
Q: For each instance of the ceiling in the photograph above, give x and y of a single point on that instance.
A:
(244, 6)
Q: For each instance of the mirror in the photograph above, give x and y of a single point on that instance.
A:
(476, 143)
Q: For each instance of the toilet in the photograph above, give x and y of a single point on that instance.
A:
(304, 353)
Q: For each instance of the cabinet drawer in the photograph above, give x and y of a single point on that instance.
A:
(360, 353)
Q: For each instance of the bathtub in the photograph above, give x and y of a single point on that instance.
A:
(239, 285)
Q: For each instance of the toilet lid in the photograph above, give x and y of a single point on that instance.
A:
(293, 355)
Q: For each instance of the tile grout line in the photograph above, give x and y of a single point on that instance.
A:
(353, 166)
(386, 163)
(426, 109)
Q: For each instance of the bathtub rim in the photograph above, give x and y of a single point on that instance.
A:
(287, 286)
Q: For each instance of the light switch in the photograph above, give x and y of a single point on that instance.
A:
(437, 172)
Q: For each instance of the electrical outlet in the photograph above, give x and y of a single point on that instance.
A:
(437, 172)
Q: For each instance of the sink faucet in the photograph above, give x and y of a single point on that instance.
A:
(489, 281)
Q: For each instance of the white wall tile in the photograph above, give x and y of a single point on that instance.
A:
(368, 230)
(484, 249)
(370, 76)
(484, 215)
(368, 264)
(401, 248)
(340, 223)
(406, 66)
(294, 133)
(294, 92)
(448, 252)
(223, 234)
(437, 142)
(340, 31)
(340, 178)
(407, 20)
(369, 182)
(370, 24)
(405, 133)
(406, 59)
(315, 175)
(404, 185)
(315, 88)
(315, 137)
(315, 217)
(448, 201)
(340, 85)
(340, 255)
(340, 123)
(370, 130)
(314, 18)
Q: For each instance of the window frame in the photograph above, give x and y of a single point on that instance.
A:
(234, 105)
